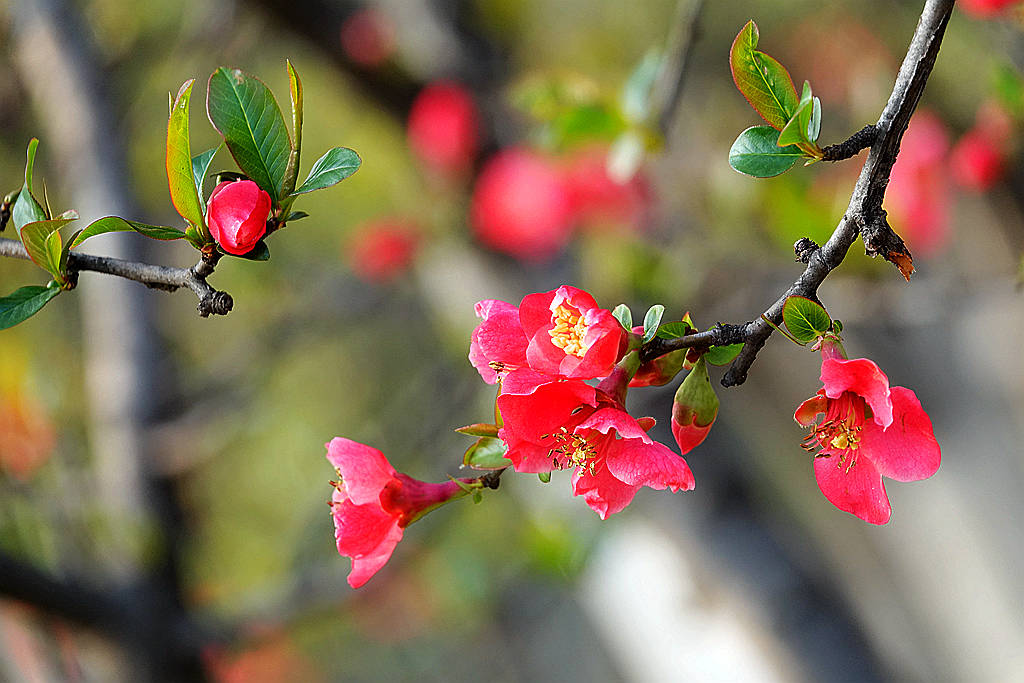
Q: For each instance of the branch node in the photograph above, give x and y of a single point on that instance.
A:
(804, 249)
(880, 239)
(217, 303)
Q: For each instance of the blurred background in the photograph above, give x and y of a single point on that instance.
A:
(162, 476)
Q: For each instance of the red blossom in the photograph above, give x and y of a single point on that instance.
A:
(443, 127)
(368, 37)
(383, 249)
(520, 206)
(567, 424)
(372, 504)
(985, 8)
(570, 335)
(694, 408)
(869, 430)
(598, 201)
(237, 215)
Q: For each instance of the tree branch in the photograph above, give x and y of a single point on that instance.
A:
(211, 301)
(864, 216)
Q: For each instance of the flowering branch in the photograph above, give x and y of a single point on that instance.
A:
(864, 216)
(211, 301)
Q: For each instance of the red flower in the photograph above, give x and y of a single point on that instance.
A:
(520, 206)
(599, 201)
(568, 424)
(372, 504)
(977, 162)
(237, 215)
(985, 8)
(498, 343)
(383, 249)
(368, 37)
(869, 430)
(443, 127)
(919, 193)
(569, 335)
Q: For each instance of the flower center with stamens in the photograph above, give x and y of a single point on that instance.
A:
(571, 450)
(570, 330)
(840, 432)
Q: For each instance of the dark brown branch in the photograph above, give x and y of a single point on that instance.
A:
(211, 301)
(851, 147)
(863, 217)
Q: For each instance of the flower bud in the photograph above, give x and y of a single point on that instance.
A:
(237, 215)
(694, 409)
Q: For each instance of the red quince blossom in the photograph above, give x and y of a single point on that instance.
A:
(570, 335)
(443, 127)
(521, 207)
(600, 202)
(383, 249)
(977, 161)
(368, 37)
(919, 195)
(237, 215)
(869, 430)
(985, 8)
(372, 504)
(568, 424)
(498, 343)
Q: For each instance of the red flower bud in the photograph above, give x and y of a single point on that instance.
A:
(237, 215)
(694, 409)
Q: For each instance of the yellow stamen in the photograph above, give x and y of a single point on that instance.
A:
(570, 331)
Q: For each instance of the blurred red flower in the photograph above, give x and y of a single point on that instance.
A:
(382, 249)
(444, 127)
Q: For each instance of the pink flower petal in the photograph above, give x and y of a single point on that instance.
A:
(361, 529)
(862, 377)
(524, 381)
(531, 419)
(690, 436)
(810, 409)
(859, 491)
(364, 469)
(907, 449)
(603, 492)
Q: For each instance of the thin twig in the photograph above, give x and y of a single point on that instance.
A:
(211, 301)
(864, 216)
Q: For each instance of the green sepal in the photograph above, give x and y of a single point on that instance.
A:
(479, 429)
(545, 477)
(486, 453)
(696, 398)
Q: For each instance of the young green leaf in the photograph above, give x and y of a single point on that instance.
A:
(674, 330)
(756, 153)
(200, 166)
(651, 322)
(624, 316)
(764, 82)
(722, 355)
(806, 320)
(479, 429)
(25, 302)
(26, 209)
(118, 224)
(291, 173)
(486, 453)
(803, 128)
(245, 112)
(180, 178)
(38, 241)
(334, 166)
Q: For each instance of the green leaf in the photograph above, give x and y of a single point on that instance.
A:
(25, 302)
(334, 166)
(806, 320)
(486, 453)
(814, 126)
(545, 477)
(200, 165)
(756, 153)
(291, 173)
(261, 252)
(624, 316)
(674, 330)
(479, 429)
(26, 209)
(295, 216)
(722, 355)
(651, 321)
(180, 177)
(118, 224)
(36, 237)
(804, 127)
(245, 112)
(765, 83)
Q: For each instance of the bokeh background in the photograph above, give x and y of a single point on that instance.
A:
(162, 476)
